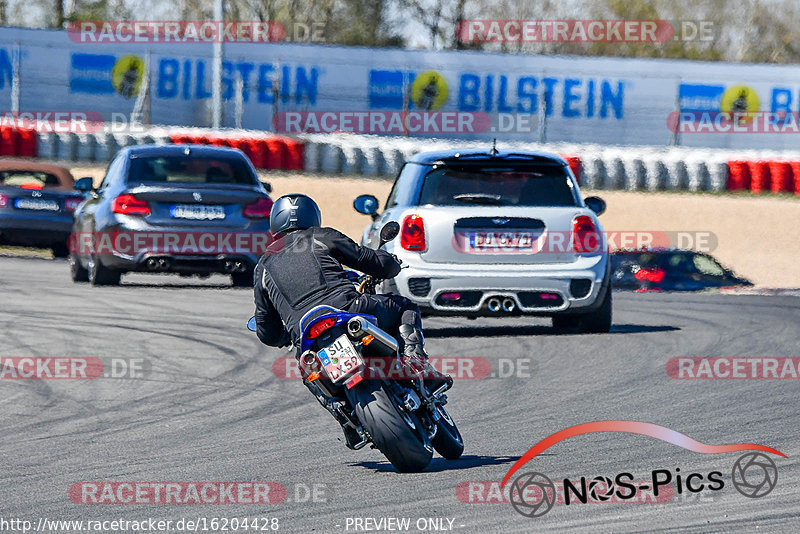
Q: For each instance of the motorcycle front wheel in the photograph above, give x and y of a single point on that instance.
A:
(398, 434)
(447, 441)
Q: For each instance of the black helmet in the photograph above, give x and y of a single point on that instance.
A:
(293, 212)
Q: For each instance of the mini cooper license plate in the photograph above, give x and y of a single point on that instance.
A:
(481, 241)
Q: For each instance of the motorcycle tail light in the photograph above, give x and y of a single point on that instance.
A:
(259, 209)
(3, 201)
(412, 233)
(353, 381)
(584, 235)
(130, 205)
(319, 327)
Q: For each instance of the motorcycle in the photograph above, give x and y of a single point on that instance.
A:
(354, 370)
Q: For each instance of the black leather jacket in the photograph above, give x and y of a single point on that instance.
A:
(303, 269)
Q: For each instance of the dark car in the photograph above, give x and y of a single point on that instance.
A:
(670, 270)
(36, 205)
(187, 209)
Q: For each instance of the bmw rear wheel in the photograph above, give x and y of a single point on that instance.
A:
(100, 275)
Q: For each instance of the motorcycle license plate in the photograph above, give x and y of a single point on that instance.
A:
(340, 359)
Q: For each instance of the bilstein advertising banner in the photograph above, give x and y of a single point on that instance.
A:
(298, 88)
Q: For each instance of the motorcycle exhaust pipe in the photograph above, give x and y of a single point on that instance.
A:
(359, 327)
(509, 305)
(494, 304)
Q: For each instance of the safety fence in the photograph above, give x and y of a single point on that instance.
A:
(597, 167)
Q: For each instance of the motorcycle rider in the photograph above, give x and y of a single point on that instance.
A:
(302, 269)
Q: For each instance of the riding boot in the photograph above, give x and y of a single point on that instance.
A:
(415, 357)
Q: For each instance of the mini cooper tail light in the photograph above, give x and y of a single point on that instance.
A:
(412, 233)
(584, 235)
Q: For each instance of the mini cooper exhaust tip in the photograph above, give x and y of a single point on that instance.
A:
(501, 304)
(509, 306)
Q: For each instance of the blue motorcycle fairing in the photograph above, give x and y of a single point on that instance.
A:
(323, 312)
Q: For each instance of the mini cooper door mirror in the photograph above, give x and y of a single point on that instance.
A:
(596, 204)
(366, 204)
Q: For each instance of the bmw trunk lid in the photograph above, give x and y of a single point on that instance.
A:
(194, 205)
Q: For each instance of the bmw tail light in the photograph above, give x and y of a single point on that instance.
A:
(650, 275)
(319, 327)
(72, 203)
(3, 201)
(584, 235)
(259, 209)
(412, 233)
(130, 205)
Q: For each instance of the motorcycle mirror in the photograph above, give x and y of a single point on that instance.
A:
(251, 324)
(389, 232)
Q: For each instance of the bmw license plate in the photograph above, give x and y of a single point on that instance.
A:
(36, 204)
(340, 359)
(197, 213)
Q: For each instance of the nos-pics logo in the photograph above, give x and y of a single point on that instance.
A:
(533, 494)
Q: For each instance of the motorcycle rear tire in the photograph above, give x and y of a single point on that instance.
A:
(397, 434)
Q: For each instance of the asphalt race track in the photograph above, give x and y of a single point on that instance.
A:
(208, 407)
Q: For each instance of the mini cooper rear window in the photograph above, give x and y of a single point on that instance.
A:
(189, 169)
(498, 186)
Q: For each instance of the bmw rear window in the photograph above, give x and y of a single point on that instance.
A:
(497, 185)
(189, 170)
